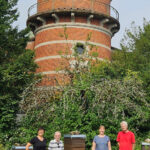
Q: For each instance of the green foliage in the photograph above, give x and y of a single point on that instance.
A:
(135, 56)
(2, 147)
(89, 101)
(17, 67)
(100, 93)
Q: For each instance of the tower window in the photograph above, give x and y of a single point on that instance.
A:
(80, 48)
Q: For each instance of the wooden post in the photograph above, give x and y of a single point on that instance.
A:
(74, 142)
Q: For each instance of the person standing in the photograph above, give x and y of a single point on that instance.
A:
(125, 138)
(38, 142)
(56, 144)
(101, 141)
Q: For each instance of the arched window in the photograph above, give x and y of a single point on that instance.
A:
(80, 48)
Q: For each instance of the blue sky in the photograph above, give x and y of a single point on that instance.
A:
(129, 10)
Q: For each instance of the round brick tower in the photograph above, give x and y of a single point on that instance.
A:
(48, 18)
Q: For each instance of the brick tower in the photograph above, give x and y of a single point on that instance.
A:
(47, 19)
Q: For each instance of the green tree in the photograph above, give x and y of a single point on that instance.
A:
(17, 66)
(135, 56)
(135, 53)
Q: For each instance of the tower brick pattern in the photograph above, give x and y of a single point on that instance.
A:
(48, 18)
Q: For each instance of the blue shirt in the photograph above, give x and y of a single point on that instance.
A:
(101, 142)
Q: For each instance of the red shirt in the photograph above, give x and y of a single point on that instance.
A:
(125, 139)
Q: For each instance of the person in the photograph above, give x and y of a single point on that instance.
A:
(125, 138)
(56, 144)
(38, 142)
(101, 141)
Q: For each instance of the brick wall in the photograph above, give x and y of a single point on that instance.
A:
(97, 5)
(30, 45)
(50, 43)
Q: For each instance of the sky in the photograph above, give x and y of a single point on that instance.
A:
(129, 11)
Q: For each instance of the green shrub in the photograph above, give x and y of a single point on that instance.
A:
(89, 101)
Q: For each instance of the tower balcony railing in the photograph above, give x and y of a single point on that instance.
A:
(92, 6)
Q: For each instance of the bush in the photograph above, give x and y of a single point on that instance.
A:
(89, 101)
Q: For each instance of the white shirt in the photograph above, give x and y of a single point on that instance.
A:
(54, 145)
